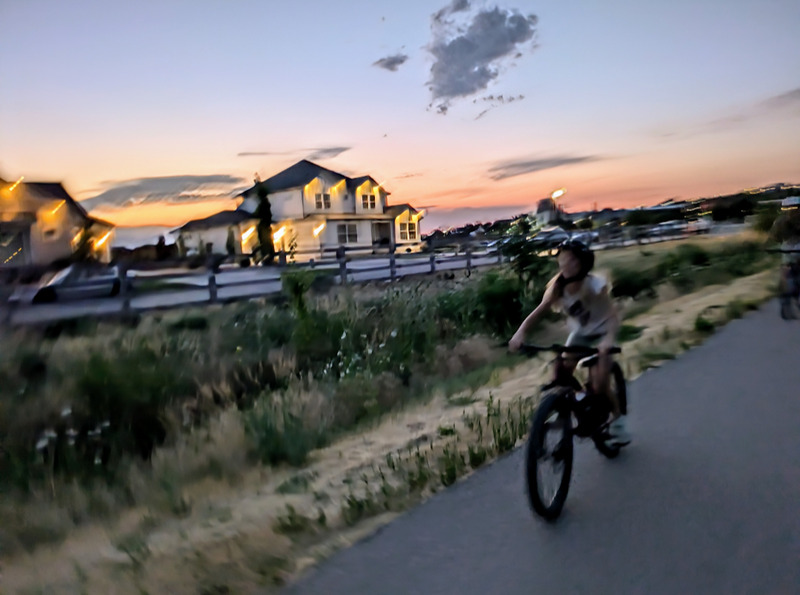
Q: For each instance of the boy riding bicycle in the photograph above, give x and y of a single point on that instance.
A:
(592, 320)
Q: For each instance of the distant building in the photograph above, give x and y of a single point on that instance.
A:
(40, 223)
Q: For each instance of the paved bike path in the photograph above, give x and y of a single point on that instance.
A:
(707, 499)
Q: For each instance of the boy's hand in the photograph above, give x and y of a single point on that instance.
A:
(515, 343)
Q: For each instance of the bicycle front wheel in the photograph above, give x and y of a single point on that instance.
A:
(549, 454)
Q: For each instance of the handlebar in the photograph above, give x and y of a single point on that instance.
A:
(581, 350)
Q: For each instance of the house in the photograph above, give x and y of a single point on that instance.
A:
(315, 210)
(40, 224)
(218, 229)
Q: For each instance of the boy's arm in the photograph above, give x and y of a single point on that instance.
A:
(519, 337)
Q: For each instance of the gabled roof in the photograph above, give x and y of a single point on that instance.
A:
(353, 183)
(52, 191)
(300, 174)
(395, 210)
(223, 218)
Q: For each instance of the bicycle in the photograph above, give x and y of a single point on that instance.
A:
(790, 290)
(564, 401)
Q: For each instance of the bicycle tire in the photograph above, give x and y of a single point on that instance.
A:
(611, 452)
(554, 401)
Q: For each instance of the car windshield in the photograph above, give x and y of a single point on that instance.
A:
(60, 276)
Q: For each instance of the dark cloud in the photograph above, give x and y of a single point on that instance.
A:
(168, 189)
(326, 152)
(452, 8)
(391, 63)
(510, 169)
(467, 59)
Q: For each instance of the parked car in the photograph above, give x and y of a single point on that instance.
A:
(670, 228)
(75, 282)
(550, 237)
(701, 225)
(587, 237)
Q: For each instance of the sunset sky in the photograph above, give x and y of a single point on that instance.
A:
(155, 112)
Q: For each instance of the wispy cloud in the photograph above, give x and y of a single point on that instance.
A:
(787, 104)
(262, 153)
(327, 152)
(167, 189)
(788, 100)
(309, 153)
(391, 63)
(510, 169)
(467, 57)
(408, 175)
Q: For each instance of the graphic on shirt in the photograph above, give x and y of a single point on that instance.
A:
(577, 311)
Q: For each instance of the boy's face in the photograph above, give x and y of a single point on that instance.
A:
(568, 263)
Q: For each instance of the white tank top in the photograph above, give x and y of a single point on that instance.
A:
(588, 309)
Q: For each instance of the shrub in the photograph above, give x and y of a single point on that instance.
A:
(632, 283)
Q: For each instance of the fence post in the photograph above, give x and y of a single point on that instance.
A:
(342, 268)
(469, 258)
(392, 267)
(433, 262)
(125, 289)
(212, 286)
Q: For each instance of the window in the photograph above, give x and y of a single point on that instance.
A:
(408, 231)
(367, 201)
(347, 233)
(323, 201)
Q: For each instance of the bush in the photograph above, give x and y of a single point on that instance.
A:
(703, 325)
(280, 436)
(632, 283)
(499, 303)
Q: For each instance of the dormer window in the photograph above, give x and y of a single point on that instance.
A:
(323, 201)
(367, 201)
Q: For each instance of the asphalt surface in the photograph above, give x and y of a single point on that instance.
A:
(705, 500)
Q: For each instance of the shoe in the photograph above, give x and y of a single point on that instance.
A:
(618, 432)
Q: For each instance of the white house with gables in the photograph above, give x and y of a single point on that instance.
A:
(41, 224)
(320, 210)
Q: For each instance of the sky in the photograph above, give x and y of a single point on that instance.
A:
(155, 112)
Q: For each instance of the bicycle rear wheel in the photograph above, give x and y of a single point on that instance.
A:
(549, 454)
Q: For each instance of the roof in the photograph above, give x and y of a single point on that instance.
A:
(300, 174)
(53, 191)
(221, 219)
(395, 210)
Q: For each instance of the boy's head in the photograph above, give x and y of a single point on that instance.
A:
(575, 259)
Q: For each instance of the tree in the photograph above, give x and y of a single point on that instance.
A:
(585, 224)
(230, 243)
(264, 227)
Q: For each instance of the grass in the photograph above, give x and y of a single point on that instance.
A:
(225, 421)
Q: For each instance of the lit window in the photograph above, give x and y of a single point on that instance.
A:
(408, 231)
(323, 201)
(367, 201)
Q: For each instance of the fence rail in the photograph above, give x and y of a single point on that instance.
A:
(214, 284)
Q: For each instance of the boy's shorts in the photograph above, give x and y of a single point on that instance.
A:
(578, 339)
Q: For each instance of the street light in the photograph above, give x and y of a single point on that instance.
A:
(558, 193)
